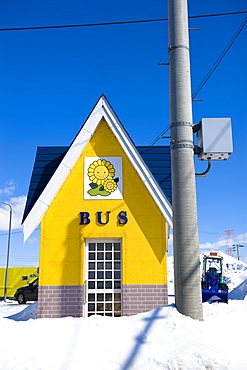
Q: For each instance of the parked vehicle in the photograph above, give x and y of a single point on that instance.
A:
(214, 287)
(27, 293)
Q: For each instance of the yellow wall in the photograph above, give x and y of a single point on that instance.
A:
(143, 237)
(15, 279)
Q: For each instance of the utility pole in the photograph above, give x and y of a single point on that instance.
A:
(185, 233)
(8, 250)
(237, 246)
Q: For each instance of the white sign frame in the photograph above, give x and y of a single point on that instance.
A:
(117, 164)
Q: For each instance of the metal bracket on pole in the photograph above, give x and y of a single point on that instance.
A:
(197, 127)
(197, 150)
(175, 144)
(177, 47)
(175, 124)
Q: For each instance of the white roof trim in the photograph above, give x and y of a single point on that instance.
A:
(102, 109)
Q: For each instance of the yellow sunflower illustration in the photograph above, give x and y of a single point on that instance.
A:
(110, 185)
(100, 170)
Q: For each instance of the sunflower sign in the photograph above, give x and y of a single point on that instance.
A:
(103, 178)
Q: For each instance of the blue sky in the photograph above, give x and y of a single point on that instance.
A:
(51, 79)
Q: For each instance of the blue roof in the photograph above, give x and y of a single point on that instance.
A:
(157, 159)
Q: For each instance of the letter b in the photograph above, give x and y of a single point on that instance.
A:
(84, 218)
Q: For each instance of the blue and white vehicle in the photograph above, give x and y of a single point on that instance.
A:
(214, 287)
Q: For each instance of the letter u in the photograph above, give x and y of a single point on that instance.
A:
(99, 220)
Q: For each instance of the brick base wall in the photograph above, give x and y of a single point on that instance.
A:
(60, 301)
(143, 298)
(63, 301)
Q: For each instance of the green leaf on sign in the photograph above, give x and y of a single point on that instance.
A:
(104, 193)
(93, 192)
(93, 185)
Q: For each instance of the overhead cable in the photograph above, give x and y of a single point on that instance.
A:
(113, 23)
(208, 75)
(227, 48)
(160, 135)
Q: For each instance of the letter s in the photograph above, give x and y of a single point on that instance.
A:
(122, 218)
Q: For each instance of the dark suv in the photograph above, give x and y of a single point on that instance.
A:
(27, 293)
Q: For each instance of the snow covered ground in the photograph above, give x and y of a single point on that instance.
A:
(159, 339)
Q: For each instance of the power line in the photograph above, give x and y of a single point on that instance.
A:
(160, 135)
(113, 23)
(227, 48)
(12, 232)
(208, 75)
(216, 14)
(145, 21)
(17, 232)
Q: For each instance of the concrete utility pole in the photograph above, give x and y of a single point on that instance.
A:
(185, 233)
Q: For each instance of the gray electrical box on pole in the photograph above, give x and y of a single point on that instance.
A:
(215, 139)
(185, 232)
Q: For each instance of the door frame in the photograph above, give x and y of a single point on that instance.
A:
(86, 264)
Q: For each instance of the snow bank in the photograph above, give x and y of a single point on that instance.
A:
(159, 339)
(235, 271)
(239, 292)
(30, 312)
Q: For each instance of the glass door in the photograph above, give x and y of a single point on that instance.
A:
(103, 277)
